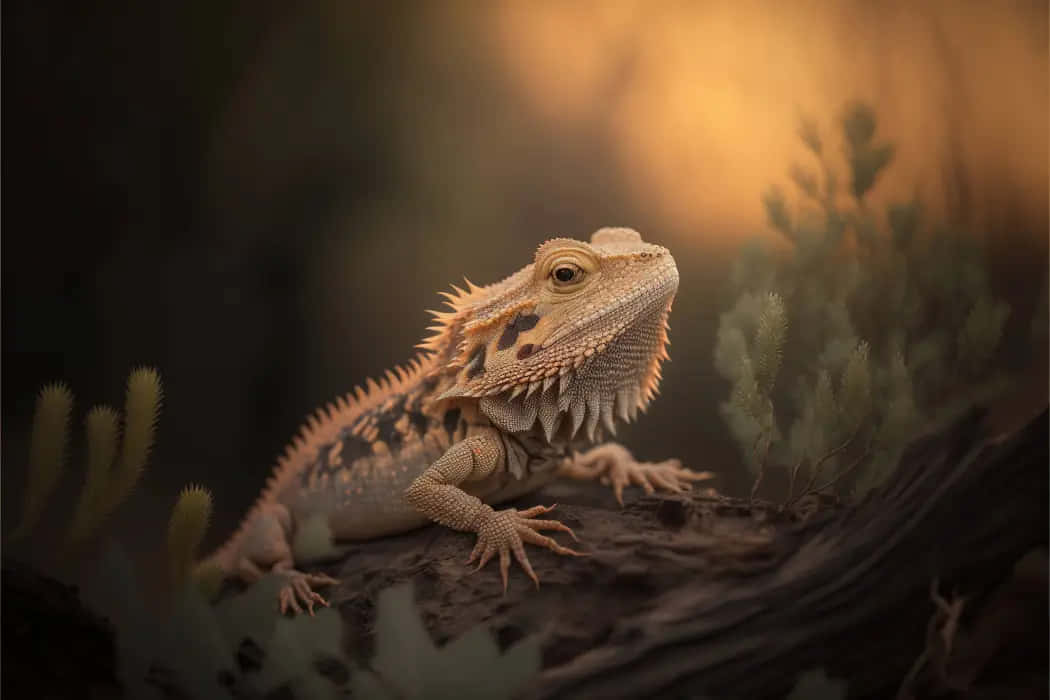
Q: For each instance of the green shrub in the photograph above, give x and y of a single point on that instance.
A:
(839, 348)
(468, 667)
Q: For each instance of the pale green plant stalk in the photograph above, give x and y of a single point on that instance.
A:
(186, 527)
(102, 426)
(141, 408)
(47, 452)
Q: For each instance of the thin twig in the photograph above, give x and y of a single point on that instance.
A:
(794, 475)
(849, 468)
(815, 472)
(761, 469)
(833, 453)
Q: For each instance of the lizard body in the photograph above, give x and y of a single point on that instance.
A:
(516, 378)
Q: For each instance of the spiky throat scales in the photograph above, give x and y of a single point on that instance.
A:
(569, 344)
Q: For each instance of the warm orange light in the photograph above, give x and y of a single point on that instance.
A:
(701, 99)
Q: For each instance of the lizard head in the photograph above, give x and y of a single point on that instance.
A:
(580, 332)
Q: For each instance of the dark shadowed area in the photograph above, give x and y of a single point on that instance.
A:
(261, 199)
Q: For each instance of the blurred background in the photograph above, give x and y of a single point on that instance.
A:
(261, 199)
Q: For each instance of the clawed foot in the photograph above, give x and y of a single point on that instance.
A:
(615, 466)
(668, 475)
(298, 591)
(506, 531)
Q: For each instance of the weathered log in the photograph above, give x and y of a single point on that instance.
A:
(708, 596)
(847, 591)
(701, 595)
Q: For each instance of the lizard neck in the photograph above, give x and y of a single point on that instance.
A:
(582, 404)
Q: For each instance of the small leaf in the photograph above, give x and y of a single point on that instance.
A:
(805, 180)
(776, 211)
(810, 135)
(858, 123)
(866, 165)
(769, 342)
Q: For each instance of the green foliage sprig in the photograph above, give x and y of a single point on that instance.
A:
(889, 316)
(469, 666)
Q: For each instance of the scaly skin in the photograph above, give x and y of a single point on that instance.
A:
(517, 377)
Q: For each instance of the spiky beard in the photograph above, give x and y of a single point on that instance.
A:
(607, 386)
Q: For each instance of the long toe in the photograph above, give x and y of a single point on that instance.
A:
(286, 599)
(543, 541)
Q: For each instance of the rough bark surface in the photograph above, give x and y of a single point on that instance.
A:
(704, 596)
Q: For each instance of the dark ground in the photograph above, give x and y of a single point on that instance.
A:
(699, 594)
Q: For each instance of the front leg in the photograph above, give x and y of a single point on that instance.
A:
(437, 494)
(613, 464)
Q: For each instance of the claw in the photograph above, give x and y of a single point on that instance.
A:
(486, 555)
(506, 531)
(474, 553)
(537, 510)
(550, 525)
(615, 467)
(298, 592)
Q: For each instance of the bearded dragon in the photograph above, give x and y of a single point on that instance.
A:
(516, 379)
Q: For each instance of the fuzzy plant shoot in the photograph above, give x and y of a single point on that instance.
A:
(186, 528)
(47, 452)
(141, 407)
(102, 427)
(114, 460)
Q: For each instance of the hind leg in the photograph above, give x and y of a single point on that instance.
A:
(267, 548)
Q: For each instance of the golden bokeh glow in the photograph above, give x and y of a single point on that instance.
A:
(701, 99)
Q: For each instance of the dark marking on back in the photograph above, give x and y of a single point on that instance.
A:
(476, 362)
(451, 422)
(385, 421)
(319, 465)
(419, 421)
(354, 448)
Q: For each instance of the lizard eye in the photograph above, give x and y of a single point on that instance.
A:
(566, 273)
